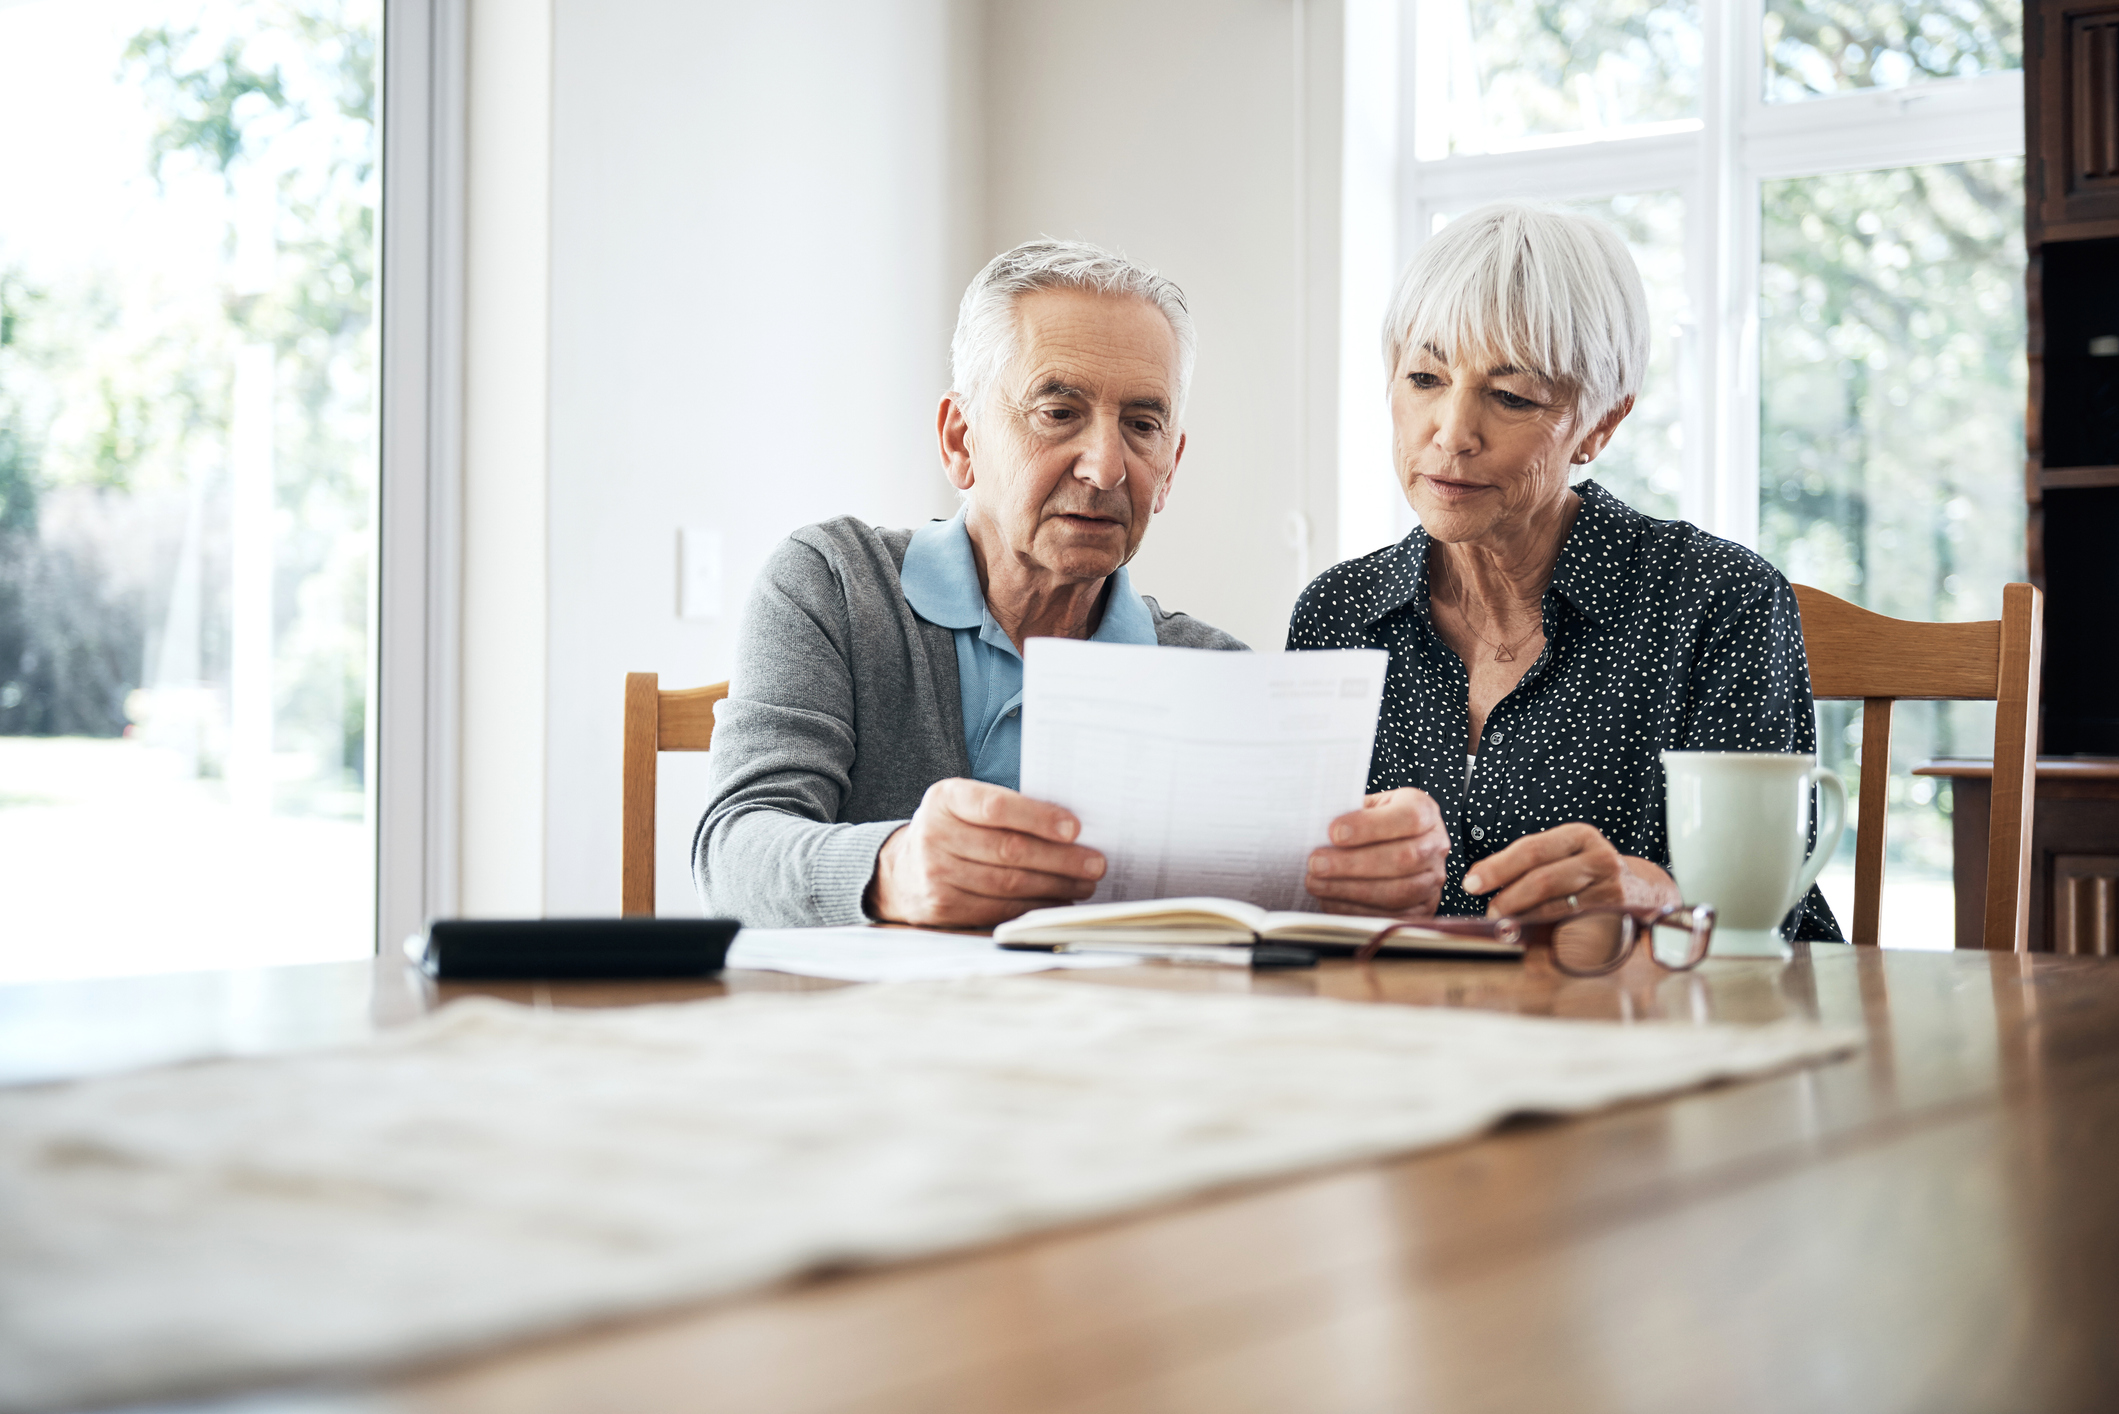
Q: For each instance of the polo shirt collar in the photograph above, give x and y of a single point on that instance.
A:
(939, 576)
(941, 582)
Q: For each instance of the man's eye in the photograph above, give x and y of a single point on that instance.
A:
(1147, 429)
(1424, 380)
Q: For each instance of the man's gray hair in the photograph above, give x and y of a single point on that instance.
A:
(986, 323)
(1541, 290)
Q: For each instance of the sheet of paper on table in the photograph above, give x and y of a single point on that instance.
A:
(1200, 773)
(893, 955)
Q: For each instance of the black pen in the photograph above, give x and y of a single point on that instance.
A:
(1202, 954)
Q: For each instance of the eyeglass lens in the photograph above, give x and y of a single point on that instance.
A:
(1591, 942)
(1674, 942)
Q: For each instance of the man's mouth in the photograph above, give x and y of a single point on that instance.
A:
(1088, 518)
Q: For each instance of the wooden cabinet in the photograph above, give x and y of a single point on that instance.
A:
(2071, 227)
(2071, 72)
(2074, 852)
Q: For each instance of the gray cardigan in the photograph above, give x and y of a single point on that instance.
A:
(843, 709)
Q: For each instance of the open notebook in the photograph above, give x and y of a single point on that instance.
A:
(1224, 920)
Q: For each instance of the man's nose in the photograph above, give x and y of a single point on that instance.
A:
(1102, 462)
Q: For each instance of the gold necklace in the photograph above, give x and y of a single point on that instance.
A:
(1503, 652)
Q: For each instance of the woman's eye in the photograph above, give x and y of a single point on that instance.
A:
(1513, 401)
(1424, 380)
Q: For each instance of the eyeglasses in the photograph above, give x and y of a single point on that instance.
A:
(1591, 942)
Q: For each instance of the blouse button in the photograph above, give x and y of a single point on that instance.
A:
(1478, 832)
(1496, 736)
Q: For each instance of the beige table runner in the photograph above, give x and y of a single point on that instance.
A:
(493, 1171)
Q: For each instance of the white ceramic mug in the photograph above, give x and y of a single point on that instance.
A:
(1739, 831)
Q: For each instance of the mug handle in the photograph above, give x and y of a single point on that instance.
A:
(1832, 800)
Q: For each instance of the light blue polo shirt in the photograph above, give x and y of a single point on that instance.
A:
(941, 582)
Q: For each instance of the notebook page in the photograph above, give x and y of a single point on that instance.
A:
(1197, 772)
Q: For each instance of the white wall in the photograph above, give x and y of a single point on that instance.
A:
(761, 225)
(761, 220)
(1201, 137)
(505, 645)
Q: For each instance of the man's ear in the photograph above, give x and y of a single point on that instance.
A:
(1162, 492)
(954, 433)
(1592, 446)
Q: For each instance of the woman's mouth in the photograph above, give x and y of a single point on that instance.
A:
(1454, 490)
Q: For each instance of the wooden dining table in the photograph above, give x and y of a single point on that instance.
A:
(1931, 1224)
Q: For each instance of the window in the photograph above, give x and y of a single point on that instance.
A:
(188, 483)
(1825, 198)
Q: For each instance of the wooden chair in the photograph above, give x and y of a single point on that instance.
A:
(655, 722)
(1855, 654)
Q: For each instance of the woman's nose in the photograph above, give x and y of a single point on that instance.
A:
(1457, 423)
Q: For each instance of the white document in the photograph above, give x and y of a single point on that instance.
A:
(893, 955)
(1197, 772)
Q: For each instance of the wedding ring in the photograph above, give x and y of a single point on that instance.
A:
(1573, 902)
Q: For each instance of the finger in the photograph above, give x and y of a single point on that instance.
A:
(1390, 860)
(1581, 877)
(999, 808)
(1387, 815)
(1503, 867)
(1011, 849)
(961, 910)
(993, 881)
(1415, 893)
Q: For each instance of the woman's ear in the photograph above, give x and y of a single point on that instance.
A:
(953, 430)
(1592, 446)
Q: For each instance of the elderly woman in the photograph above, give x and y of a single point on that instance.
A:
(1547, 640)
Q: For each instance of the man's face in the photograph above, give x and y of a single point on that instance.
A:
(1077, 442)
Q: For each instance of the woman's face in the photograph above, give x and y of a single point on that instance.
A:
(1482, 448)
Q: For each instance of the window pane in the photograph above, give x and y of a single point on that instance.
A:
(187, 479)
(1527, 73)
(1645, 464)
(1831, 46)
(1891, 441)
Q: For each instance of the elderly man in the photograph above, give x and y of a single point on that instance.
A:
(865, 762)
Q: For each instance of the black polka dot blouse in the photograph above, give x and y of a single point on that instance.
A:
(1658, 636)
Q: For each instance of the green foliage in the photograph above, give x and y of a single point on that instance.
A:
(1549, 66)
(200, 103)
(116, 393)
(1891, 421)
(1829, 46)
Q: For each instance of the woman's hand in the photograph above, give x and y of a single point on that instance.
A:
(1385, 857)
(1556, 871)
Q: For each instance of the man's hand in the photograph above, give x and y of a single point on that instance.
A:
(1385, 857)
(1556, 871)
(977, 854)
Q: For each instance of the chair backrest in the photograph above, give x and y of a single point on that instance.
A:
(1856, 654)
(655, 722)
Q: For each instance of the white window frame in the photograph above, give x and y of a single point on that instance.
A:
(412, 753)
(1741, 142)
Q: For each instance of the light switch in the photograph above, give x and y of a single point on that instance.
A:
(698, 573)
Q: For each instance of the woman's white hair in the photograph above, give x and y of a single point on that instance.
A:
(986, 324)
(1540, 290)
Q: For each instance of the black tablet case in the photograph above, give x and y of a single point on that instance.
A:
(578, 947)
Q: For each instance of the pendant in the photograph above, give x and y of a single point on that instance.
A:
(1505, 654)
